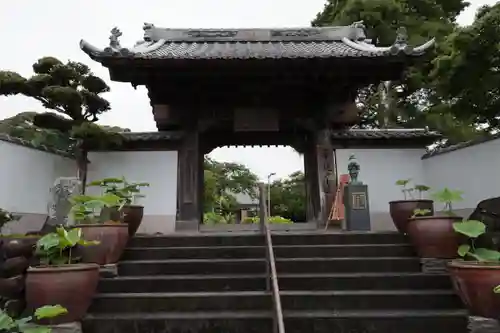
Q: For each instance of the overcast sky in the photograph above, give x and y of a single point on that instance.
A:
(33, 29)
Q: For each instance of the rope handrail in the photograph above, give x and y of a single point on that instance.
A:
(272, 284)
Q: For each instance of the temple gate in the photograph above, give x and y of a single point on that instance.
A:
(254, 87)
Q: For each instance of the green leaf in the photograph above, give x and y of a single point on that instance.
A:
(403, 182)
(72, 237)
(48, 241)
(470, 228)
(23, 324)
(50, 311)
(37, 329)
(463, 250)
(422, 188)
(6, 322)
(496, 290)
(485, 255)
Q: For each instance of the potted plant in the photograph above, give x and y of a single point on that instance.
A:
(60, 279)
(434, 236)
(476, 275)
(132, 212)
(24, 325)
(87, 212)
(15, 245)
(402, 210)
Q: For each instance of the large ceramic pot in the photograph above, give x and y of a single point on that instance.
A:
(474, 283)
(132, 215)
(434, 236)
(112, 239)
(19, 246)
(402, 210)
(71, 286)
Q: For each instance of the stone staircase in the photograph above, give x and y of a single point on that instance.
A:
(329, 283)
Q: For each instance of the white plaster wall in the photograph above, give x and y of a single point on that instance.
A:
(158, 168)
(380, 169)
(26, 176)
(473, 170)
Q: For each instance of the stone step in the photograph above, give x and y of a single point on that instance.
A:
(394, 321)
(181, 302)
(338, 238)
(183, 283)
(238, 282)
(347, 265)
(194, 266)
(291, 300)
(368, 281)
(283, 251)
(279, 238)
(227, 239)
(258, 266)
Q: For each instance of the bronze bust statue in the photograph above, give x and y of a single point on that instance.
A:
(353, 168)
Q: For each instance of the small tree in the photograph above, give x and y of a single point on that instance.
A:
(73, 92)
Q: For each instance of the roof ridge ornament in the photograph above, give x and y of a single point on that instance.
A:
(114, 43)
(147, 27)
(399, 46)
(401, 42)
(359, 24)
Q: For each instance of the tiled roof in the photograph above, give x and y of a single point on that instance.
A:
(29, 144)
(254, 50)
(371, 134)
(462, 145)
(349, 134)
(317, 42)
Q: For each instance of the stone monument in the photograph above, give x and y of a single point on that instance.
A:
(357, 209)
(59, 205)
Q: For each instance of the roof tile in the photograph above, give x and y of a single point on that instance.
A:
(254, 50)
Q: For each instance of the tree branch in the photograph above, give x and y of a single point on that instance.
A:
(45, 102)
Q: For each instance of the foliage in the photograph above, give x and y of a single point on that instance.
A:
(408, 191)
(23, 325)
(215, 218)
(222, 181)
(56, 248)
(74, 93)
(271, 219)
(6, 217)
(431, 93)
(421, 189)
(288, 197)
(121, 188)
(473, 229)
(469, 58)
(447, 197)
(421, 212)
(88, 208)
(22, 126)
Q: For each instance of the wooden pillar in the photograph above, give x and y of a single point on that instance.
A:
(327, 177)
(188, 178)
(311, 183)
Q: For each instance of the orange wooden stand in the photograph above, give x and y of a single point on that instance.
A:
(337, 211)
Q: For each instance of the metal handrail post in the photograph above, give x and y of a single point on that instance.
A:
(271, 262)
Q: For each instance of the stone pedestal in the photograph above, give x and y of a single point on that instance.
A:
(357, 208)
